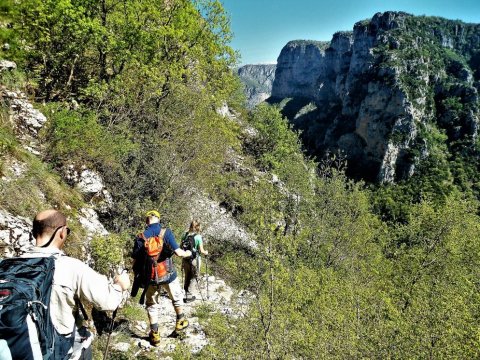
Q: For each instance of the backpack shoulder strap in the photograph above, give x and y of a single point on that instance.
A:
(81, 308)
(162, 233)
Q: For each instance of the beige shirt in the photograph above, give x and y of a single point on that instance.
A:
(75, 278)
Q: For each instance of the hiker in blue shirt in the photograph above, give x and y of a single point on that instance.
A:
(169, 282)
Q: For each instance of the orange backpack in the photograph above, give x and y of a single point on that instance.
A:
(159, 271)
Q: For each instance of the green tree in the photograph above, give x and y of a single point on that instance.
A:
(435, 261)
(80, 47)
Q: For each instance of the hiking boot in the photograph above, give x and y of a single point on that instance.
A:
(181, 324)
(189, 299)
(154, 338)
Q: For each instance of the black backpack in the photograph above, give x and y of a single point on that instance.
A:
(26, 328)
(188, 243)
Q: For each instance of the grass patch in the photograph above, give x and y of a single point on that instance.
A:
(134, 311)
(45, 189)
(14, 80)
(8, 141)
(203, 311)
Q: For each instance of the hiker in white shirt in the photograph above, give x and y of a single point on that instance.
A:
(73, 282)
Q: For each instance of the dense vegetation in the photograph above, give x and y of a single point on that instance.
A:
(331, 278)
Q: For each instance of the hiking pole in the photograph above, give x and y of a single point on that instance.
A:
(199, 290)
(110, 333)
(112, 323)
(206, 273)
(183, 280)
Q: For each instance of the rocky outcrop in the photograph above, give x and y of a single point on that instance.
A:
(91, 185)
(372, 93)
(26, 119)
(219, 224)
(27, 122)
(298, 67)
(15, 231)
(15, 236)
(258, 81)
(88, 218)
(6, 65)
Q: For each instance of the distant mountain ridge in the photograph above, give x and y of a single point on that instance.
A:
(258, 81)
(380, 93)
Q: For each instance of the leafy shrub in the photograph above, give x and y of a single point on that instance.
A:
(9, 35)
(77, 137)
(108, 252)
(275, 141)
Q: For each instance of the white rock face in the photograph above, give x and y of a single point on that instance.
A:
(219, 224)
(88, 218)
(387, 171)
(24, 115)
(26, 119)
(6, 65)
(14, 234)
(90, 183)
(85, 180)
(299, 64)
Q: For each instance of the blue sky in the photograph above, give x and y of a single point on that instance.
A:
(262, 27)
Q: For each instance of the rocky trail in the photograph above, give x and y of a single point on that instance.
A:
(132, 336)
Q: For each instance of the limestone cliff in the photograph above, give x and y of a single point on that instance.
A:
(258, 81)
(378, 93)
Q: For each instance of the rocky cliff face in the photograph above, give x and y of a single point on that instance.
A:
(298, 67)
(376, 93)
(258, 81)
(26, 121)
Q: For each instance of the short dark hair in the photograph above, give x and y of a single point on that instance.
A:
(43, 225)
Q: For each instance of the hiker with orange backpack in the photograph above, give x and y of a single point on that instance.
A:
(154, 269)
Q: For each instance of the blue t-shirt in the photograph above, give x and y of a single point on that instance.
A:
(170, 245)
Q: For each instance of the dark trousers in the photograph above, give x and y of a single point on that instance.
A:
(190, 271)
